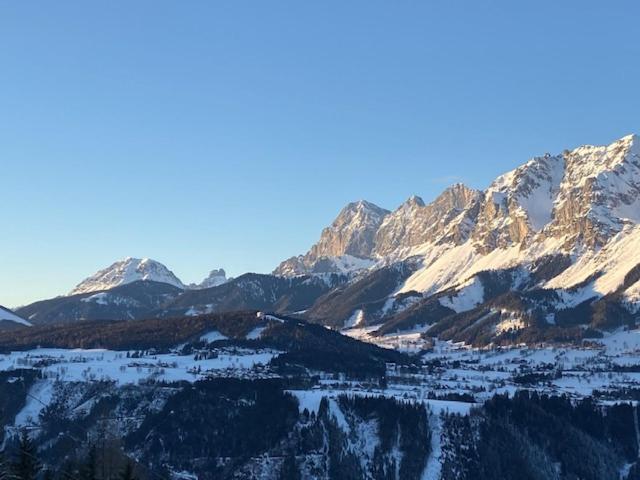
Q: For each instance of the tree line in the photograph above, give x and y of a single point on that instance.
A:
(20, 461)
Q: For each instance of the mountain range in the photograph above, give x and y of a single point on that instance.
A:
(357, 359)
(548, 250)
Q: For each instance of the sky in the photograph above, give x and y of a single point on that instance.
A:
(229, 133)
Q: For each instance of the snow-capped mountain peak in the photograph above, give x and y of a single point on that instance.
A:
(569, 217)
(599, 193)
(350, 236)
(126, 271)
(413, 201)
(414, 223)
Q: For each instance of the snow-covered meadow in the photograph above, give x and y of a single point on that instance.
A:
(609, 365)
(452, 378)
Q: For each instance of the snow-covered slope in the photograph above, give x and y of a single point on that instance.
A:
(581, 198)
(7, 315)
(583, 203)
(126, 271)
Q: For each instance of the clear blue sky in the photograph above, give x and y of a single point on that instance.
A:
(228, 133)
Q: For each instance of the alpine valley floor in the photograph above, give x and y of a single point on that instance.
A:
(249, 403)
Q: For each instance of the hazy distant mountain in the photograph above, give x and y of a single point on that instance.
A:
(216, 277)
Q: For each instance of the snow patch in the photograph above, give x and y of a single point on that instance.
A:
(355, 320)
(510, 324)
(213, 336)
(466, 298)
(9, 316)
(255, 334)
(337, 414)
(434, 462)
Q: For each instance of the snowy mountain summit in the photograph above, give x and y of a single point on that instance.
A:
(345, 245)
(580, 198)
(127, 271)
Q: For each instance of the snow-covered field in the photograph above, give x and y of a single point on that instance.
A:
(121, 367)
(608, 365)
(126, 368)
(453, 377)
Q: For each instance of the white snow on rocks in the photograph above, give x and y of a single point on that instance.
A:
(215, 278)
(127, 271)
(582, 204)
(615, 260)
(212, 336)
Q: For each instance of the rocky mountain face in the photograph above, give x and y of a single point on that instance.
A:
(518, 204)
(350, 238)
(364, 233)
(127, 271)
(446, 219)
(556, 238)
(581, 197)
(352, 232)
(600, 192)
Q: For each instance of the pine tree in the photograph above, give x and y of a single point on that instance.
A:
(89, 468)
(66, 471)
(5, 469)
(127, 473)
(289, 470)
(48, 474)
(163, 473)
(26, 465)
